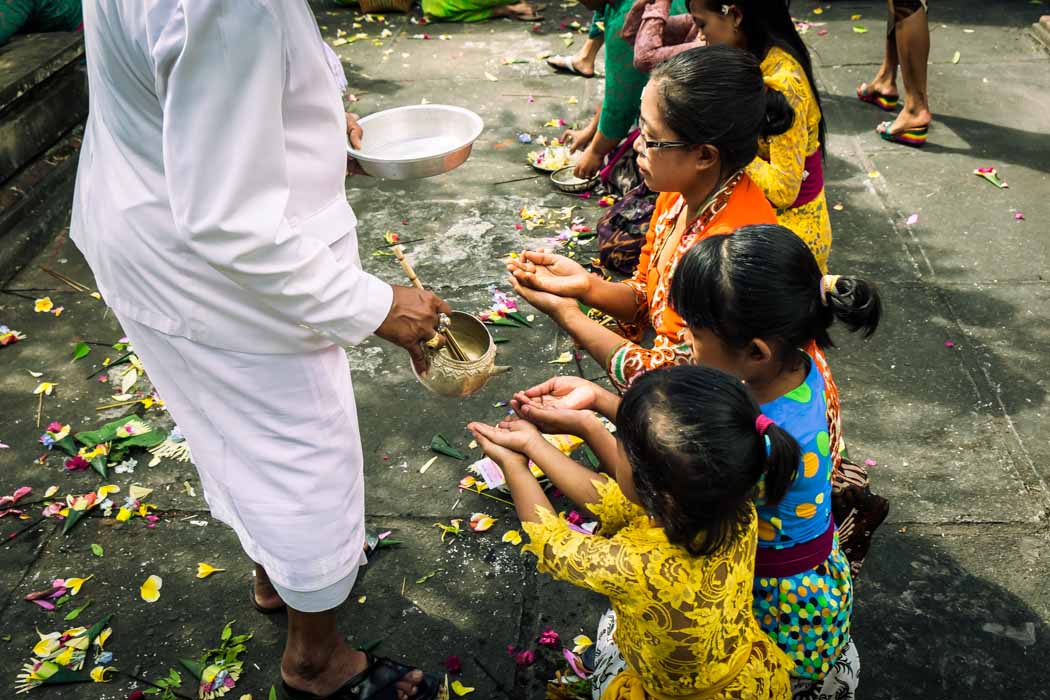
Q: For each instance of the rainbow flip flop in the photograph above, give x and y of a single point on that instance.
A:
(886, 103)
(914, 137)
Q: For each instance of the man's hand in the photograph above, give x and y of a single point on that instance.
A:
(412, 320)
(354, 133)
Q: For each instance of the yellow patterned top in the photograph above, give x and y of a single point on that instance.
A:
(684, 624)
(780, 166)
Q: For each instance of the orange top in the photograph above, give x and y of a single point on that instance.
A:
(739, 202)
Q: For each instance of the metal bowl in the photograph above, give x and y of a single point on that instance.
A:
(407, 143)
(449, 377)
(565, 181)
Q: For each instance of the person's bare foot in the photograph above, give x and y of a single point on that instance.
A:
(520, 10)
(910, 119)
(341, 666)
(266, 595)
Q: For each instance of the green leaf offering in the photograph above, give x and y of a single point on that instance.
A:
(97, 550)
(80, 351)
(75, 612)
(441, 445)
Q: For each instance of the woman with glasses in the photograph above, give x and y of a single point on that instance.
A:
(702, 114)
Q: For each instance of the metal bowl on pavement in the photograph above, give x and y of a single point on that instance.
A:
(417, 141)
(565, 181)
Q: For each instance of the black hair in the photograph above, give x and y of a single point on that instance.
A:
(715, 95)
(697, 456)
(762, 281)
(768, 23)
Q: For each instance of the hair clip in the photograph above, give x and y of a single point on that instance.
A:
(827, 284)
(762, 423)
(725, 9)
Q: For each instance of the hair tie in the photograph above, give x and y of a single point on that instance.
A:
(827, 284)
(762, 423)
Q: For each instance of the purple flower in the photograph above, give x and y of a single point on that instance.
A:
(548, 638)
(77, 464)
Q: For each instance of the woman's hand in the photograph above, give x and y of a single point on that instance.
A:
(546, 272)
(589, 164)
(561, 393)
(550, 304)
(577, 139)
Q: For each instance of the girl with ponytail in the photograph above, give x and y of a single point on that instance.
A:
(675, 552)
(757, 306)
(789, 167)
(702, 114)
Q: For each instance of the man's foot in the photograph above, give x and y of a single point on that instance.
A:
(264, 595)
(910, 120)
(343, 666)
(522, 11)
(572, 64)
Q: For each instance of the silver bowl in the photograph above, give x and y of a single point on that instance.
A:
(407, 143)
(449, 377)
(565, 181)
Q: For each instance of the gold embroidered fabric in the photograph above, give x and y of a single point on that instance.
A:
(684, 625)
(780, 164)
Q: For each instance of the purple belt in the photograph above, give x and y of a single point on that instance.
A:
(813, 183)
(779, 563)
(625, 145)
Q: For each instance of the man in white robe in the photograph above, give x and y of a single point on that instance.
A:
(210, 205)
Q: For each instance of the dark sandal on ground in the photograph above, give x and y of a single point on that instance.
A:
(255, 603)
(887, 103)
(377, 682)
(564, 64)
(914, 137)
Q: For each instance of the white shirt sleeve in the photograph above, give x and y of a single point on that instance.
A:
(220, 70)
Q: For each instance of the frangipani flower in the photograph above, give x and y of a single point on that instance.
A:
(98, 674)
(581, 643)
(74, 584)
(459, 689)
(150, 590)
(43, 305)
(480, 522)
(206, 570)
(45, 388)
(512, 537)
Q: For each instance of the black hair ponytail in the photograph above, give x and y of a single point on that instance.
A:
(781, 463)
(856, 303)
(779, 114)
(762, 281)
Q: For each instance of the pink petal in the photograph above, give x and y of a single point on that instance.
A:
(913, 219)
(45, 604)
(949, 344)
(870, 463)
(1019, 216)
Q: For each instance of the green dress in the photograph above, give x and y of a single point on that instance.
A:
(623, 82)
(462, 10)
(38, 16)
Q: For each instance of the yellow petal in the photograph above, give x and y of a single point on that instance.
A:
(48, 643)
(580, 643)
(480, 522)
(461, 690)
(206, 570)
(51, 491)
(512, 536)
(100, 640)
(562, 359)
(65, 657)
(150, 590)
(104, 491)
(98, 674)
(44, 388)
(123, 515)
(43, 305)
(74, 584)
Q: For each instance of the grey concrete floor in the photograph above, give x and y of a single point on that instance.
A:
(952, 602)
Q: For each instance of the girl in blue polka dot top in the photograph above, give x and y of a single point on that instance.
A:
(753, 300)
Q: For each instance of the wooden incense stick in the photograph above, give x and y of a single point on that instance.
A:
(453, 346)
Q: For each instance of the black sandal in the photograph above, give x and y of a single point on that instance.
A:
(255, 603)
(376, 682)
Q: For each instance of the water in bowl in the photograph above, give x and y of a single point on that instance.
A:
(421, 147)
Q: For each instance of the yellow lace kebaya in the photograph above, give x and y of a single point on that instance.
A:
(780, 167)
(684, 625)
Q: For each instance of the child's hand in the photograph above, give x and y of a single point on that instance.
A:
(561, 392)
(490, 439)
(554, 421)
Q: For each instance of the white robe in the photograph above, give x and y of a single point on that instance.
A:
(210, 205)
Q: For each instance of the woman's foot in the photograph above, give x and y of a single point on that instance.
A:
(908, 120)
(522, 11)
(872, 95)
(266, 598)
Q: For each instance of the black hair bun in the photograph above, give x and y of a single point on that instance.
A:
(779, 114)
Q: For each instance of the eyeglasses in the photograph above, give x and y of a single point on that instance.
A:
(647, 144)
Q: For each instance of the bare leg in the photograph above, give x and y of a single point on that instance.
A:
(913, 48)
(588, 54)
(317, 659)
(519, 10)
(885, 81)
(265, 594)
